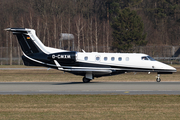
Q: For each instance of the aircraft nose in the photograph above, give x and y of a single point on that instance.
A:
(167, 67)
(171, 68)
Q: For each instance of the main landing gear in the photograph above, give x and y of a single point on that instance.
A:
(87, 77)
(158, 79)
(86, 80)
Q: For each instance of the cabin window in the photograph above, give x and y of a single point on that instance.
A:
(127, 58)
(120, 59)
(97, 58)
(86, 58)
(112, 58)
(105, 58)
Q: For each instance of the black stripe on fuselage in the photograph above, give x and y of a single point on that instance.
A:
(123, 68)
(111, 67)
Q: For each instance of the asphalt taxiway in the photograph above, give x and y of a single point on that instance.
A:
(130, 88)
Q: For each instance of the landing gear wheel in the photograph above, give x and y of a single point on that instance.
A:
(158, 79)
(86, 80)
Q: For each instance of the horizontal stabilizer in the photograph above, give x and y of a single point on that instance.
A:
(22, 30)
(7, 29)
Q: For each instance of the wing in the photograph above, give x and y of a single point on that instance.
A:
(83, 69)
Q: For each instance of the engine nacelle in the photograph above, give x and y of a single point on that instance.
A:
(63, 57)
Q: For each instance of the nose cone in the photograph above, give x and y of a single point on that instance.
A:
(170, 68)
(165, 68)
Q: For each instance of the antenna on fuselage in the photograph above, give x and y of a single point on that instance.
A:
(83, 51)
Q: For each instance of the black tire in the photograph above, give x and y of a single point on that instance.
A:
(86, 80)
(158, 79)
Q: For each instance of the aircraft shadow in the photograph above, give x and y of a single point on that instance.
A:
(110, 83)
(81, 83)
(74, 83)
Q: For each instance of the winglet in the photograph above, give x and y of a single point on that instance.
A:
(7, 29)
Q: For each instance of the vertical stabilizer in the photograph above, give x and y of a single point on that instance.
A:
(28, 40)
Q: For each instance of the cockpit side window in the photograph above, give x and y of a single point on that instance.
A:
(144, 58)
(147, 58)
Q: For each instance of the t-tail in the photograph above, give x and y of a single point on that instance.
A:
(34, 51)
(28, 40)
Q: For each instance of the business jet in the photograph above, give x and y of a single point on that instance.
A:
(87, 64)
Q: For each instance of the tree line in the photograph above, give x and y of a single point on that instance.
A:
(50, 18)
(91, 21)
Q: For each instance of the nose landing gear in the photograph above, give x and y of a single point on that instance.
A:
(158, 79)
(86, 80)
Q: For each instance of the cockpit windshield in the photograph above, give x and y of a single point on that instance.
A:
(148, 58)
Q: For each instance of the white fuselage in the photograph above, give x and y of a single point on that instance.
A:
(129, 60)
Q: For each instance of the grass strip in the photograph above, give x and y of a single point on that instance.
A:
(102, 107)
(56, 76)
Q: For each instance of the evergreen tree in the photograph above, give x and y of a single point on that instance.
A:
(127, 31)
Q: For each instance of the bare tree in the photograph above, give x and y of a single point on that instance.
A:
(55, 32)
(10, 44)
(30, 21)
(107, 37)
(96, 34)
(104, 33)
(91, 35)
(83, 39)
(38, 26)
(69, 30)
(61, 31)
(45, 23)
(87, 39)
(79, 28)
